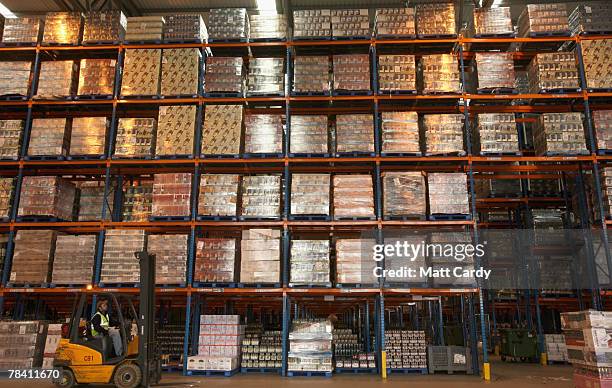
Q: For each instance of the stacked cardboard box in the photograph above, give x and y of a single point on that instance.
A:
(353, 196)
(443, 134)
(354, 264)
(404, 194)
(92, 200)
(138, 203)
(215, 260)
(49, 196)
(265, 27)
(497, 133)
(33, 256)
(597, 63)
(135, 137)
(222, 129)
(448, 193)
(263, 134)
(228, 24)
(591, 17)
(141, 69)
(495, 70)
(543, 19)
(552, 71)
(22, 30)
(175, 130)
(310, 346)
(312, 23)
(494, 21)
(559, 133)
(54, 335)
(119, 263)
(309, 263)
(556, 349)
(62, 28)
(10, 138)
(15, 78)
(218, 194)
(88, 135)
(170, 252)
(144, 28)
(395, 22)
(104, 26)
(400, 132)
(97, 77)
(440, 74)
(435, 19)
(406, 349)
(309, 134)
(260, 256)
(602, 121)
(261, 196)
(349, 23)
(218, 343)
(6, 195)
(396, 73)
(224, 75)
(311, 74)
(185, 28)
(262, 349)
(354, 133)
(606, 188)
(310, 194)
(266, 76)
(351, 72)
(171, 194)
(74, 259)
(180, 71)
(22, 344)
(56, 79)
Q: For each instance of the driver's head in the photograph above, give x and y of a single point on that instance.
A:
(103, 306)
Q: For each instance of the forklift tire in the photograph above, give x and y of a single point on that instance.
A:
(66, 379)
(127, 375)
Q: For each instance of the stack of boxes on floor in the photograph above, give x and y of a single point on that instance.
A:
(310, 346)
(218, 344)
(556, 349)
(54, 335)
(262, 349)
(406, 349)
(349, 351)
(22, 344)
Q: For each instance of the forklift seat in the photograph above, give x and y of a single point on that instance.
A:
(101, 344)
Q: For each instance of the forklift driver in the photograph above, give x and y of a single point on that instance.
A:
(100, 327)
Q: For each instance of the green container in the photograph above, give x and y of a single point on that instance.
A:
(518, 344)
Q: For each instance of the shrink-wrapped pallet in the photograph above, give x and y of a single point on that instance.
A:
(47, 196)
(62, 28)
(6, 195)
(215, 260)
(395, 22)
(602, 123)
(175, 130)
(309, 263)
(33, 256)
(119, 263)
(443, 134)
(354, 133)
(218, 195)
(353, 196)
(261, 196)
(228, 24)
(56, 79)
(350, 23)
(396, 73)
(310, 346)
(22, 30)
(560, 133)
(137, 203)
(104, 27)
(311, 74)
(144, 28)
(597, 63)
(263, 134)
(15, 78)
(351, 72)
(310, 194)
(87, 136)
(354, 264)
(497, 133)
(268, 27)
(591, 17)
(435, 19)
(97, 77)
(180, 72)
(440, 74)
(185, 28)
(141, 70)
(400, 132)
(219, 342)
(549, 71)
(23, 344)
(448, 193)
(404, 194)
(492, 21)
(74, 259)
(260, 256)
(49, 137)
(543, 19)
(171, 195)
(309, 134)
(222, 129)
(91, 201)
(224, 75)
(10, 138)
(170, 252)
(266, 76)
(495, 70)
(135, 137)
(312, 23)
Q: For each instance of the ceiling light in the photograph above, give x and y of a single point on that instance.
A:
(6, 12)
(266, 6)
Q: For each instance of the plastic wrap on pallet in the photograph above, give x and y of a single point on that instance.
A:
(62, 28)
(266, 76)
(135, 137)
(553, 71)
(311, 74)
(543, 19)
(310, 345)
(137, 203)
(6, 194)
(441, 74)
(54, 336)
(435, 19)
(448, 193)
(354, 133)
(591, 17)
(228, 24)
(185, 27)
(74, 259)
(597, 63)
(91, 201)
(493, 21)
(261, 195)
(406, 349)
(263, 133)
(310, 194)
(97, 77)
(215, 260)
(218, 194)
(23, 344)
(495, 70)
(497, 133)
(312, 23)
(222, 129)
(170, 252)
(309, 134)
(395, 21)
(88, 135)
(219, 342)
(172, 194)
(400, 132)
(56, 79)
(443, 133)
(33, 256)
(180, 71)
(404, 193)
(175, 130)
(602, 123)
(348, 23)
(49, 137)
(260, 256)
(141, 70)
(396, 72)
(268, 26)
(104, 26)
(119, 264)
(10, 138)
(144, 28)
(15, 78)
(560, 133)
(353, 196)
(224, 75)
(22, 30)
(351, 268)
(351, 72)
(309, 262)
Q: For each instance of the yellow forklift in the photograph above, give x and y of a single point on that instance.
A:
(84, 359)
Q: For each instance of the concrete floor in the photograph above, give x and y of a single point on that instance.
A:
(505, 375)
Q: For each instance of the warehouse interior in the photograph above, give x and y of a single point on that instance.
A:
(262, 150)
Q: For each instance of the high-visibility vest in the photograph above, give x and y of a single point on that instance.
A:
(103, 323)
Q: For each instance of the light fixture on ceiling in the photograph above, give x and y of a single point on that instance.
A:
(6, 12)
(266, 7)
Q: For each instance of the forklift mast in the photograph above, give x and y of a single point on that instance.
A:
(148, 357)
